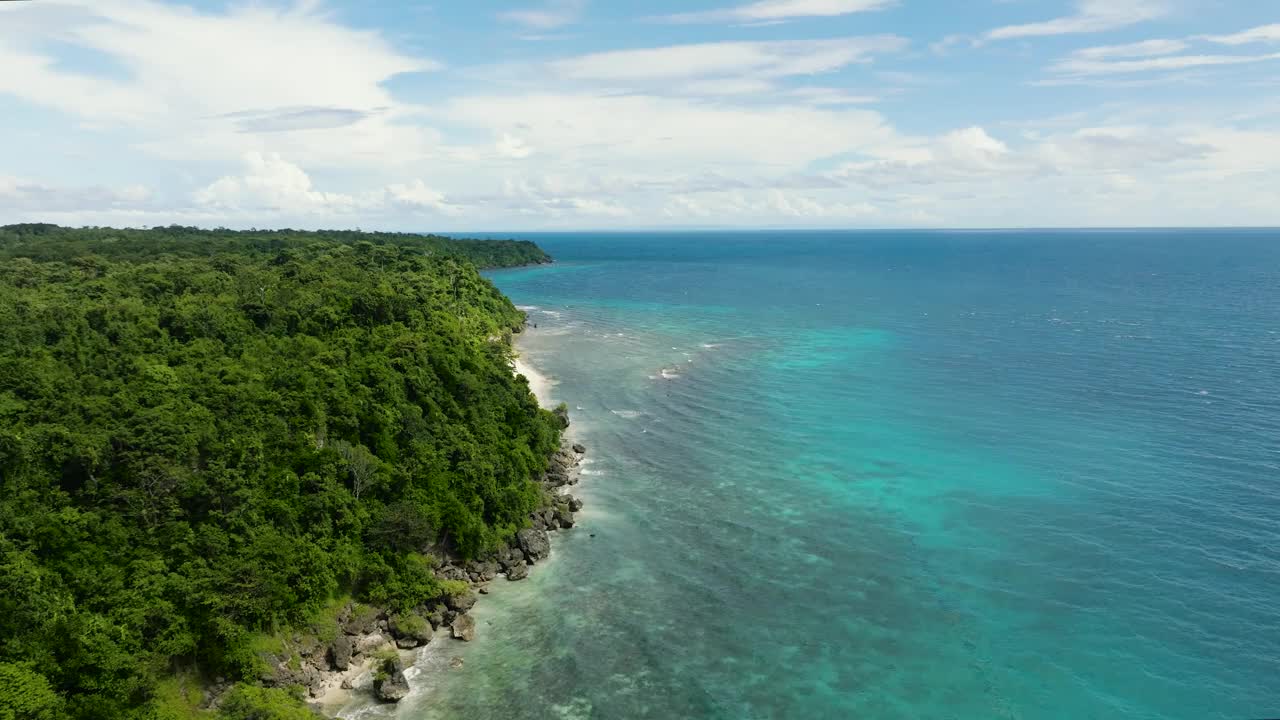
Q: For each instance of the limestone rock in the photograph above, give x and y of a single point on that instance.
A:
(340, 653)
(534, 543)
(370, 643)
(464, 628)
(462, 602)
(391, 685)
(519, 571)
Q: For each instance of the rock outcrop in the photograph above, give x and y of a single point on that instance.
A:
(464, 628)
(518, 571)
(340, 653)
(369, 637)
(390, 684)
(534, 544)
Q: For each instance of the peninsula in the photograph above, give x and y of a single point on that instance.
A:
(238, 466)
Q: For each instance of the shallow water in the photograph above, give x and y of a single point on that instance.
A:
(899, 475)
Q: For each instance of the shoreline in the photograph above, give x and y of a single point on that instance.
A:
(371, 672)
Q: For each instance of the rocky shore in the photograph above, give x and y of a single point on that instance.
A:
(368, 649)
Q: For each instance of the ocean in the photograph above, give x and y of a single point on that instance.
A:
(871, 475)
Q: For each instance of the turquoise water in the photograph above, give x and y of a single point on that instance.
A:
(900, 475)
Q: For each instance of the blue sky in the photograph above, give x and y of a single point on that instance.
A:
(585, 114)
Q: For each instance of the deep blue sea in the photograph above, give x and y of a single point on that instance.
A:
(883, 475)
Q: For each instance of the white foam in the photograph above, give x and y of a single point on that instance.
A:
(628, 414)
(669, 374)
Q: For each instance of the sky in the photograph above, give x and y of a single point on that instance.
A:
(611, 114)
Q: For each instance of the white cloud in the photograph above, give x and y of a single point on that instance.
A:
(1083, 66)
(272, 183)
(755, 59)
(1146, 48)
(1091, 16)
(284, 131)
(581, 133)
(417, 195)
(29, 196)
(1265, 33)
(208, 86)
(554, 14)
(780, 10)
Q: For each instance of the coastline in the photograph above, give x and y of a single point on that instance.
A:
(380, 651)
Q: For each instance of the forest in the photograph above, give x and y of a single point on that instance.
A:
(208, 435)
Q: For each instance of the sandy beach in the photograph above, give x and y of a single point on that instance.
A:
(540, 384)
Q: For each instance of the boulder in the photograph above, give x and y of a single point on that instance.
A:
(390, 684)
(370, 643)
(464, 628)
(580, 448)
(574, 504)
(452, 572)
(564, 515)
(534, 543)
(436, 615)
(411, 627)
(483, 589)
(557, 478)
(486, 570)
(316, 681)
(509, 556)
(407, 643)
(340, 653)
(519, 571)
(461, 602)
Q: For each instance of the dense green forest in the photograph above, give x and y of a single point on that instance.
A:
(209, 435)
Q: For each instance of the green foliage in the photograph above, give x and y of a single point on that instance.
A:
(247, 702)
(26, 695)
(179, 698)
(205, 437)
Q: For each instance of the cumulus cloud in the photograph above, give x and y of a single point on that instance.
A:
(273, 185)
(211, 82)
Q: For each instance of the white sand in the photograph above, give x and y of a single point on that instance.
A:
(539, 383)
